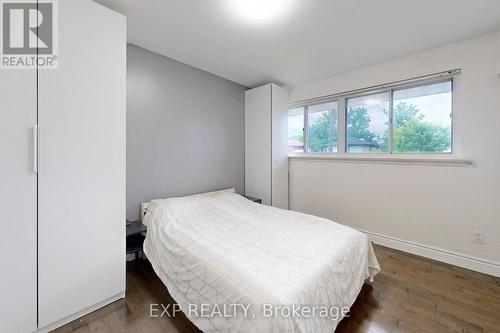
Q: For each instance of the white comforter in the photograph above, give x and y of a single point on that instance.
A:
(218, 249)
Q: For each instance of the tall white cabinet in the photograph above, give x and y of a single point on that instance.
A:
(63, 235)
(18, 197)
(266, 146)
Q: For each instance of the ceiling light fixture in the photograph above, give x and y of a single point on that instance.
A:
(259, 11)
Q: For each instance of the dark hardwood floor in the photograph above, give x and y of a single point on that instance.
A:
(411, 294)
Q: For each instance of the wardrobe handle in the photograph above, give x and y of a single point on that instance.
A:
(36, 147)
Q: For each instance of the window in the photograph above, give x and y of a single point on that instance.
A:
(296, 130)
(410, 118)
(322, 127)
(422, 119)
(367, 123)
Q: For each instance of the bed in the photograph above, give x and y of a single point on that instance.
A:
(233, 265)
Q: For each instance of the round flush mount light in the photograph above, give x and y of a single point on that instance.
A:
(260, 11)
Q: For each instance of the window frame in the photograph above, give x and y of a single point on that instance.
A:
(452, 115)
(389, 132)
(341, 100)
(306, 125)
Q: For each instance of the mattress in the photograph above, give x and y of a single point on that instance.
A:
(233, 265)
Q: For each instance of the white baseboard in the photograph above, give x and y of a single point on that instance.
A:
(80, 314)
(449, 257)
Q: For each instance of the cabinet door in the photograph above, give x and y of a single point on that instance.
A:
(280, 147)
(17, 201)
(258, 143)
(82, 164)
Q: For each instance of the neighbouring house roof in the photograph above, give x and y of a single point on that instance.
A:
(360, 142)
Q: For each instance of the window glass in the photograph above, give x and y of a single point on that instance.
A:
(296, 130)
(421, 122)
(367, 123)
(422, 119)
(322, 127)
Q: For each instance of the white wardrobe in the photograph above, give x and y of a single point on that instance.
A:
(266, 145)
(62, 175)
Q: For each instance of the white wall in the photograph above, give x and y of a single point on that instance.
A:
(436, 206)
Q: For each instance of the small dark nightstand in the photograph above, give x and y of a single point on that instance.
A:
(257, 200)
(135, 237)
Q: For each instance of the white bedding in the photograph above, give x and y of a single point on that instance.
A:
(217, 249)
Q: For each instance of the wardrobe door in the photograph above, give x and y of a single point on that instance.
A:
(17, 201)
(82, 164)
(258, 143)
(280, 147)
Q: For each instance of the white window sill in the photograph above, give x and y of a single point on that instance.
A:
(375, 158)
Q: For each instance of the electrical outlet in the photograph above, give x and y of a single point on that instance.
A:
(478, 237)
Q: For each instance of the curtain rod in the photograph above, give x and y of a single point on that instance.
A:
(449, 73)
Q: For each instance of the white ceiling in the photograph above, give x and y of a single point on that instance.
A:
(311, 40)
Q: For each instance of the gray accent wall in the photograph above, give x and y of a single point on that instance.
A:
(185, 130)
